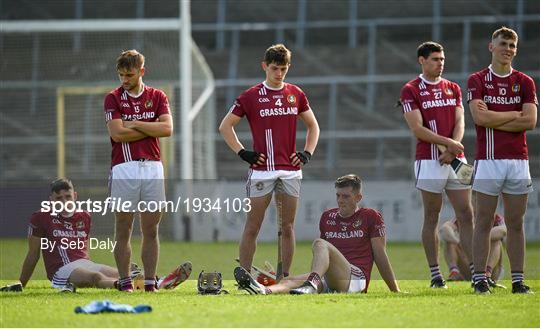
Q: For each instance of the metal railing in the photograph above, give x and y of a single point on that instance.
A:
(300, 27)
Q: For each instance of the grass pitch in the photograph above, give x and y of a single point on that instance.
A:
(41, 306)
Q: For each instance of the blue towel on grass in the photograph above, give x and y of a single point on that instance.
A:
(107, 306)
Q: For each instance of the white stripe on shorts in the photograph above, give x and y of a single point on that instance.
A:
(248, 183)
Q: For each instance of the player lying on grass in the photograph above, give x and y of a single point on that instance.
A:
(351, 239)
(66, 260)
(457, 260)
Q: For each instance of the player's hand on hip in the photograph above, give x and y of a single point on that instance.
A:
(454, 147)
(252, 157)
(446, 158)
(261, 160)
(300, 158)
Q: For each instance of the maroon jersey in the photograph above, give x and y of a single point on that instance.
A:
(272, 116)
(501, 94)
(352, 236)
(437, 103)
(147, 107)
(61, 231)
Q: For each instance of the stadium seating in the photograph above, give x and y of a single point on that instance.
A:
(325, 54)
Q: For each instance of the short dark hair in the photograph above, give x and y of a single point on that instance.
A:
(130, 59)
(278, 54)
(351, 180)
(506, 33)
(428, 47)
(60, 184)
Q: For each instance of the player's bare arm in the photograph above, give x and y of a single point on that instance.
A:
(32, 257)
(313, 131)
(527, 120)
(459, 126)
(497, 233)
(121, 134)
(414, 120)
(482, 116)
(448, 233)
(380, 257)
(161, 128)
(312, 136)
(226, 128)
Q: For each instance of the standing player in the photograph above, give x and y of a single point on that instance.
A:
(351, 240)
(503, 104)
(137, 115)
(434, 112)
(458, 262)
(272, 109)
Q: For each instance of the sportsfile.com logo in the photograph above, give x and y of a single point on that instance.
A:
(112, 204)
(96, 206)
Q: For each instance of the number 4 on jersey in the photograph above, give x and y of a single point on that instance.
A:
(278, 102)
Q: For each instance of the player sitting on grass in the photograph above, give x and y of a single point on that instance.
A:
(66, 260)
(351, 239)
(457, 260)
